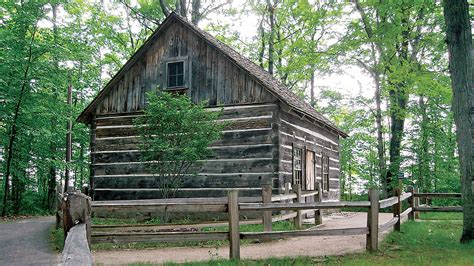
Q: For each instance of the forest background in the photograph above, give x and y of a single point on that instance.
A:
(378, 70)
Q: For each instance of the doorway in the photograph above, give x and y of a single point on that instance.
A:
(310, 173)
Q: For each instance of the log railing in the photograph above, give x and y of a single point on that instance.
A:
(76, 222)
(418, 208)
(233, 205)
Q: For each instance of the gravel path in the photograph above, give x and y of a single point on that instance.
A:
(302, 246)
(26, 242)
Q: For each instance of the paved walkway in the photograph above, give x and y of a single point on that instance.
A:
(301, 246)
(26, 242)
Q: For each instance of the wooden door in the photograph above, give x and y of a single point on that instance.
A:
(309, 184)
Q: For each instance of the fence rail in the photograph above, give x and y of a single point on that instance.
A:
(418, 208)
(76, 222)
(233, 205)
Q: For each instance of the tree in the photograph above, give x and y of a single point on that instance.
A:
(175, 133)
(459, 40)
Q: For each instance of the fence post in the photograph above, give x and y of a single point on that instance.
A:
(397, 209)
(267, 215)
(299, 216)
(234, 234)
(416, 203)
(411, 201)
(318, 216)
(372, 238)
(76, 210)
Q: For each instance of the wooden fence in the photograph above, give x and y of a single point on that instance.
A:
(75, 217)
(234, 205)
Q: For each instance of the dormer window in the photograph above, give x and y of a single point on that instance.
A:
(175, 74)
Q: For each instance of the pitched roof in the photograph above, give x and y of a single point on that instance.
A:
(262, 76)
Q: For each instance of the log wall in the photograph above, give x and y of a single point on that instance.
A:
(245, 157)
(297, 130)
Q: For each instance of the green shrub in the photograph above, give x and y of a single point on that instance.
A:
(175, 134)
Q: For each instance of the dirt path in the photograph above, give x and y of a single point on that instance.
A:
(26, 242)
(301, 246)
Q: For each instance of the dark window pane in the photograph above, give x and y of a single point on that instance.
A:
(176, 74)
(173, 69)
(179, 80)
(172, 81)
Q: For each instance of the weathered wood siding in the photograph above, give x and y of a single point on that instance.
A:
(213, 78)
(298, 131)
(246, 157)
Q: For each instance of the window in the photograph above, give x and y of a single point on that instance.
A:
(297, 166)
(325, 172)
(175, 74)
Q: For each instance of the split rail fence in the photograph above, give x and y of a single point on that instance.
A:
(234, 205)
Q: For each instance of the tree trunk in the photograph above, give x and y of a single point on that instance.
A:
(271, 12)
(311, 87)
(398, 101)
(378, 122)
(164, 7)
(182, 7)
(459, 40)
(52, 184)
(423, 160)
(67, 174)
(195, 13)
(261, 52)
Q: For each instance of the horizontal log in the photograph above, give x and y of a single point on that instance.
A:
(388, 202)
(232, 137)
(76, 249)
(309, 194)
(227, 112)
(405, 196)
(303, 206)
(138, 237)
(202, 180)
(168, 207)
(217, 152)
(217, 200)
(112, 114)
(300, 233)
(287, 139)
(437, 195)
(104, 194)
(250, 165)
(282, 197)
(386, 226)
(308, 127)
(438, 209)
(406, 212)
(131, 130)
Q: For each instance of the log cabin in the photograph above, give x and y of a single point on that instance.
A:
(274, 138)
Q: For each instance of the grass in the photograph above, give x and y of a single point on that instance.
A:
(418, 243)
(56, 239)
(440, 216)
